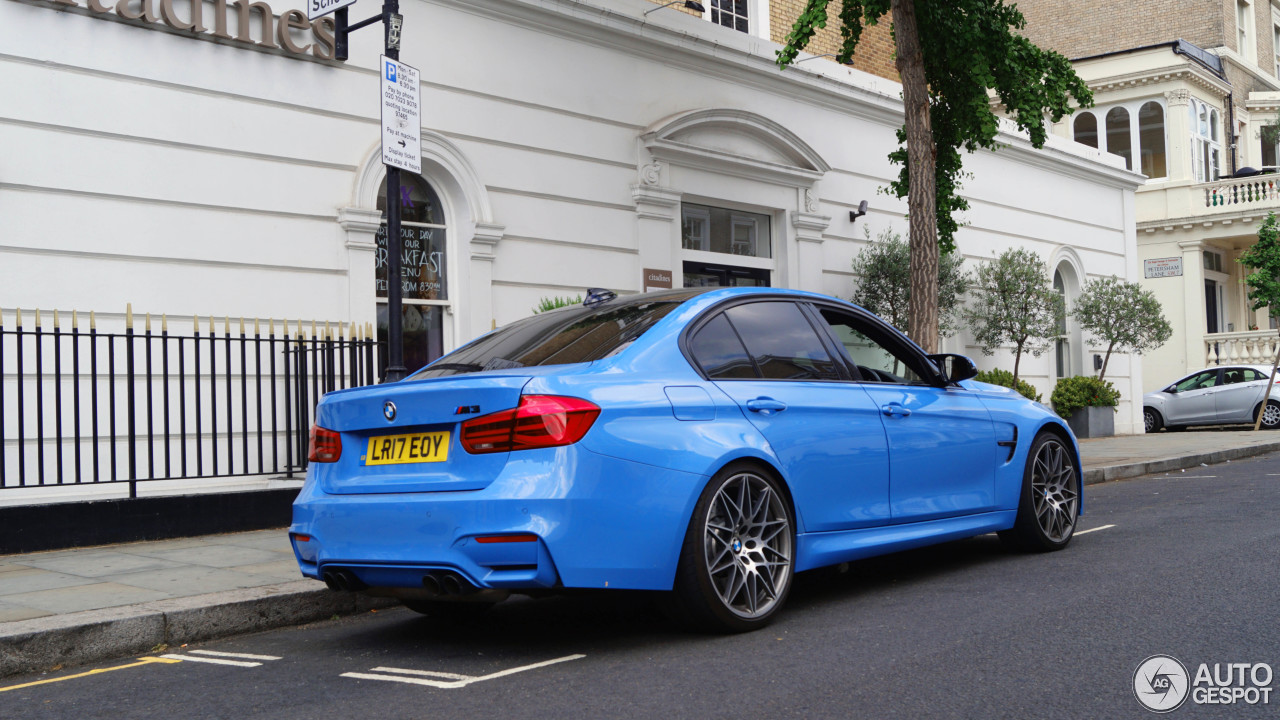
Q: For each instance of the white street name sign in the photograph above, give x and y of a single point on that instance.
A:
(1162, 267)
(319, 8)
(401, 116)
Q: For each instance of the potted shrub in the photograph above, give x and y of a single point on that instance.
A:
(1088, 405)
(1006, 379)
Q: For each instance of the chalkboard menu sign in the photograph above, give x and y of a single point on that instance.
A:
(422, 275)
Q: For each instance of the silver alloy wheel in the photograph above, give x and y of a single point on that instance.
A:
(1054, 493)
(747, 545)
(1149, 419)
(1271, 415)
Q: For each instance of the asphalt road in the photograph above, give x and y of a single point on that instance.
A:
(1182, 564)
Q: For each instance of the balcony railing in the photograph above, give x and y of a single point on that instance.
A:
(1242, 192)
(1177, 201)
(1254, 347)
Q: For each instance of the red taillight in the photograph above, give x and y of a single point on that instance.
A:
(540, 421)
(326, 445)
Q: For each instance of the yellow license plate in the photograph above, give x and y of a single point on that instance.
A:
(411, 448)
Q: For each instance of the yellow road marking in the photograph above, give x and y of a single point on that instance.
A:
(99, 671)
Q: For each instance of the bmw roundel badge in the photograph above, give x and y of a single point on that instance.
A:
(389, 411)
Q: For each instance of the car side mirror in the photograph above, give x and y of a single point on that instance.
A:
(954, 368)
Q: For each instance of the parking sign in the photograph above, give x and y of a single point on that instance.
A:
(401, 116)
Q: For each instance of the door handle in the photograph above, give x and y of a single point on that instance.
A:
(895, 409)
(766, 405)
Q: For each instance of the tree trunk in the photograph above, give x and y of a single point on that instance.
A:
(1017, 360)
(1106, 360)
(922, 325)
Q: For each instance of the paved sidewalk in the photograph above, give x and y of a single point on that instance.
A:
(70, 607)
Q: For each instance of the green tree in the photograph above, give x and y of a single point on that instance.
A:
(1264, 258)
(1122, 316)
(884, 282)
(950, 53)
(1014, 303)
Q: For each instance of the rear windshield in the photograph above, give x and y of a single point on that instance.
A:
(560, 337)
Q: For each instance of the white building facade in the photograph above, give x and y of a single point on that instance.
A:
(192, 161)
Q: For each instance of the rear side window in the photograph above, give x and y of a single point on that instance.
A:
(718, 351)
(560, 337)
(782, 342)
(1250, 375)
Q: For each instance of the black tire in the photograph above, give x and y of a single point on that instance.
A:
(1046, 523)
(1152, 419)
(722, 547)
(1270, 417)
(460, 611)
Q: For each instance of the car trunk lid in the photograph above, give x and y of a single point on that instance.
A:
(404, 437)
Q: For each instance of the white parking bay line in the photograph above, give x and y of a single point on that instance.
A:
(458, 681)
(215, 661)
(242, 656)
(428, 673)
(1101, 527)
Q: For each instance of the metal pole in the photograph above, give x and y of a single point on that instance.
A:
(395, 334)
(1266, 394)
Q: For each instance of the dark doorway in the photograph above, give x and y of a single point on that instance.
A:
(1211, 305)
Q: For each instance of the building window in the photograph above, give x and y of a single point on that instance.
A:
(424, 288)
(1151, 139)
(721, 230)
(1086, 129)
(731, 14)
(1275, 48)
(1213, 261)
(1123, 136)
(1119, 141)
(1062, 345)
(747, 16)
(1205, 149)
(1270, 136)
(1244, 27)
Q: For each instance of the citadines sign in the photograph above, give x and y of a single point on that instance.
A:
(243, 22)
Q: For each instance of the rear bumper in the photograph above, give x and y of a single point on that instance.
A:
(600, 522)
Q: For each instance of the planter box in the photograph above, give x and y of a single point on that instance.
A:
(1091, 422)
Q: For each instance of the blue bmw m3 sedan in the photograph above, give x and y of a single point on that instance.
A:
(706, 443)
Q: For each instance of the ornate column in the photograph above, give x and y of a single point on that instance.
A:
(477, 316)
(657, 223)
(1177, 129)
(1193, 303)
(361, 226)
(808, 226)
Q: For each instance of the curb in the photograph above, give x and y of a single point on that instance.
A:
(1119, 472)
(30, 646)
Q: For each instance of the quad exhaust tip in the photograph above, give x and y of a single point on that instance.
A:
(342, 581)
(446, 582)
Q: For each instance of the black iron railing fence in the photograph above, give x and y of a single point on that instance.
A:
(80, 407)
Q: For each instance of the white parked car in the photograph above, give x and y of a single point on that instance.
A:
(1214, 396)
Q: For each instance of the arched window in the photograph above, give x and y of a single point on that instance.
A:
(423, 284)
(1086, 129)
(1205, 149)
(1151, 139)
(1118, 140)
(1062, 345)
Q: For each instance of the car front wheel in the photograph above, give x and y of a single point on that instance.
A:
(1151, 419)
(738, 558)
(1050, 501)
